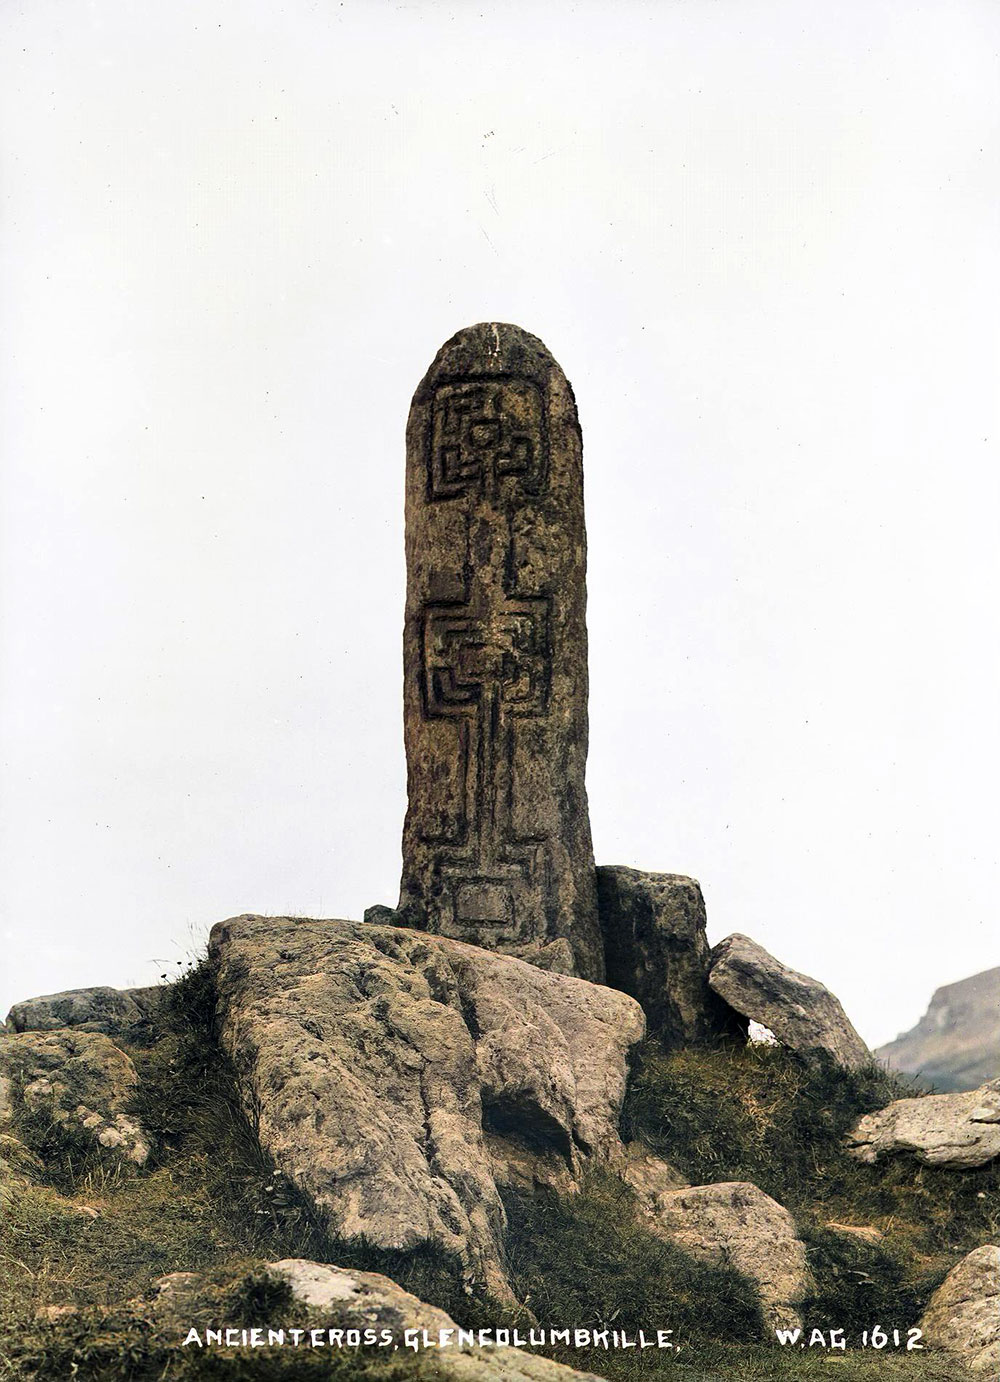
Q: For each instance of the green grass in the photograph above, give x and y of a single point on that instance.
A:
(758, 1114)
(587, 1262)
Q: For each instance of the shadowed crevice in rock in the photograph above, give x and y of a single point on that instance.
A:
(523, 1121)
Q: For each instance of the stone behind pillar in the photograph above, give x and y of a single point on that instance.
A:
(496, 845)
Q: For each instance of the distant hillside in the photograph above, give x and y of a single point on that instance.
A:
(956, 1044)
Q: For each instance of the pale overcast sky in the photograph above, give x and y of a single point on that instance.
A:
(762, 241)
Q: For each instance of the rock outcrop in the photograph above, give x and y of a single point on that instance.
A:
(77, 1079)
(399, 1075)
(334, 1297)
(956, 1044)
(803, 1015)
(963, 1314)
(956, 1130)
(101, 1009)
(656, 950)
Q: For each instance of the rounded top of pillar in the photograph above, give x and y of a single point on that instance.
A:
(490, 348)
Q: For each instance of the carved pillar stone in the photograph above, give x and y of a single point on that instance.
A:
(496, 844)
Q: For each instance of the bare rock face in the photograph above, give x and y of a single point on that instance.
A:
(399, 1074)
(102, 1009)
(963, 1314)
(956, 1130)
(736, 1224)
(656, 950)
(496, 844)
(803, 1014)
(956, 1044)
(79, 1079)
(347, 1299)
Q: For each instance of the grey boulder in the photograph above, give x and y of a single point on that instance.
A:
(102, 1009)
(400, 1075)
(803, 1014)
(956, 1130)
(733, 1223)
(963, 1315)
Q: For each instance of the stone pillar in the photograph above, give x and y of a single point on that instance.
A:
(496, 844)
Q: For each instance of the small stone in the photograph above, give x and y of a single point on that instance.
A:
(649, 1176)
(79, 1079)
(864, 1233)
(51, 1314)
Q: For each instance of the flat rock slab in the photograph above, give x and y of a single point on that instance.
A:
(346, 1299)
(381, 1058)
(733, 1223)
(78, 1079)
(101, 1009)
(956, 1130)
(803, 1015)
(963, 1314)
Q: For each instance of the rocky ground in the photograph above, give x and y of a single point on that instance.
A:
(249, 1149)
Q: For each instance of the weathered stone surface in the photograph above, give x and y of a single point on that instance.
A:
(379, 1056)
(656, 950)
(736, 1224)
(957, 1130)
(496, 844)
(649, 1176)
(803, 1014)
(963, 1314)
(956, 1044)
(80, 1079)
(101, 1009)
(347, 1299)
